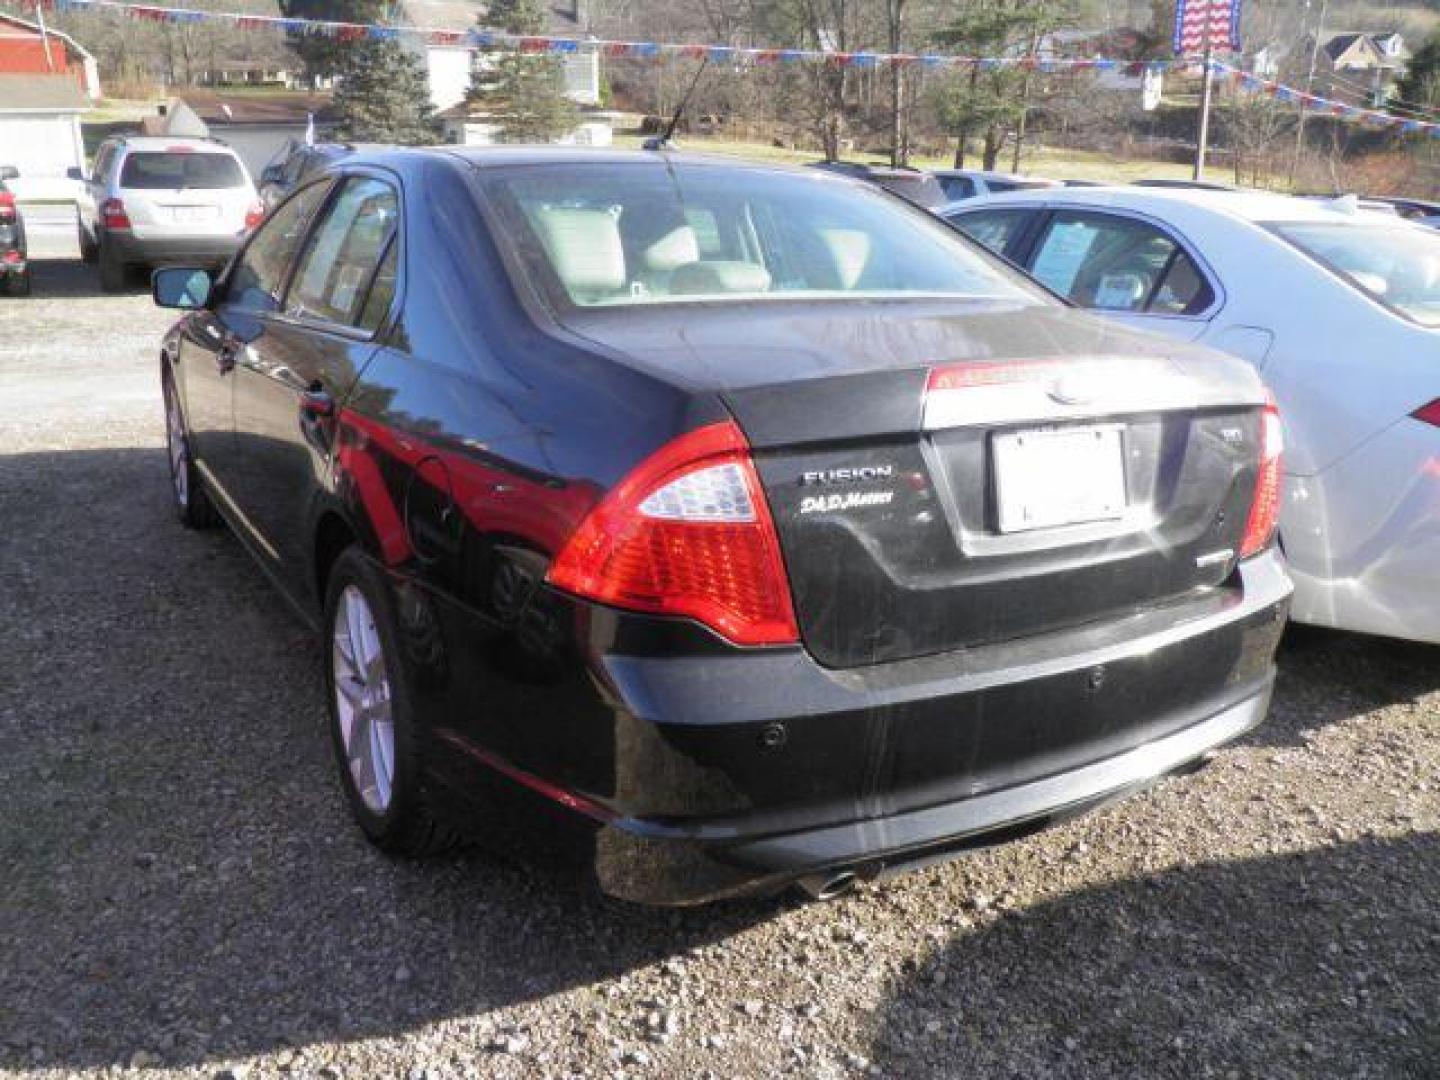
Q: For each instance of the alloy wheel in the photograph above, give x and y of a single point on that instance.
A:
(362, 700)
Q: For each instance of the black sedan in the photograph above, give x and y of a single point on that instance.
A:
(744, 525)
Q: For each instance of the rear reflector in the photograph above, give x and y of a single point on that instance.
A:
(1265, 506)
(113, 215)
(1429, 413)
(687, 533)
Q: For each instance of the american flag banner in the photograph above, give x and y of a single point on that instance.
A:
(1202, 25)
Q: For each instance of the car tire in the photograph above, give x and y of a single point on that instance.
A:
(89, 250)
(112, 270)
(364, 698)
(187, 492)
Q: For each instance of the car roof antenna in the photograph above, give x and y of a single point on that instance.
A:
(662, 142)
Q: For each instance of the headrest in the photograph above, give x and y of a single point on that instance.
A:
(850, 253)
(672, 249)
(701, 278)
(584, 245)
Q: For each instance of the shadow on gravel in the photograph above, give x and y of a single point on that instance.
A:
(1327, 676)
(180, 876)
(57, 277)
(1316, 964)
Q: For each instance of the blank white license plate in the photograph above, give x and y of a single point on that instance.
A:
(1059, 476)
(190, 214)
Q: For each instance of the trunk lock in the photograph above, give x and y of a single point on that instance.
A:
(1096, 678)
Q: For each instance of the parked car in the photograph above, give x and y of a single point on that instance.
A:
(912, 185)
(14, 258)
(152, 201)
(1423, 211)
(299, 163)
(1340, 311)
(961, 184)
(746, 518)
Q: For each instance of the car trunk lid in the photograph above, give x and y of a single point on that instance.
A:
(943, 481)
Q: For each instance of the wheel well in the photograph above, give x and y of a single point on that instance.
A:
(331, 538)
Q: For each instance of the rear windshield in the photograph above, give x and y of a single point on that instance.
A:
(1396, 265)
(629, 235)
(175, 169)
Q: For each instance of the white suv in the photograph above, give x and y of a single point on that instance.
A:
(153, 200)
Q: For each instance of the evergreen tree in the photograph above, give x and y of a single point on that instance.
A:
(1421, 85)
(325, 56)
(526, 92)
(384, 95)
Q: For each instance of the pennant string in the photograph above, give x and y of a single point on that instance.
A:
(478, 38)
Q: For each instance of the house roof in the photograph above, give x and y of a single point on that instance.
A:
(563, 18)
(1338, 45)
(7, 21)
(42, 93)
(220, 109)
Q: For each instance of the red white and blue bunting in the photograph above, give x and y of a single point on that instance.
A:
(734, 56)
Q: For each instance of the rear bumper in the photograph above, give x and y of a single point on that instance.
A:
(172, 250)
(915, 760)
(669, 867)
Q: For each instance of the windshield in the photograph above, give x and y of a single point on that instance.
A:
(1398, 266)
(174, 169)
(629, 235)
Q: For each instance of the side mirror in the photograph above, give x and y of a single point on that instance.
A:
(185, 287)
(8, 172)
(74, 172)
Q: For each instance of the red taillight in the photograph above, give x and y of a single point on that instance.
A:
(1265, 507)
(254, 215)
(7, 206)
(113, 215)
(688, 533)
(1429, 413)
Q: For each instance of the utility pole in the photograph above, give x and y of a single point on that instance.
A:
(44, 36)
(1309, 89)
(1206, 93)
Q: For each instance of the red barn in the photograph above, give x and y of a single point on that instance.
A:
(25, 50)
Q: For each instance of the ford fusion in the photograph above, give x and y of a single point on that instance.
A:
(732, 526)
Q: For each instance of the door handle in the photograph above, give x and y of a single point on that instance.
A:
(317, 402)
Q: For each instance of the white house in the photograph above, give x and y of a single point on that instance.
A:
(40, 132)
(448, 64)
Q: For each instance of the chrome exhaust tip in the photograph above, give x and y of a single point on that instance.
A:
(827, 886)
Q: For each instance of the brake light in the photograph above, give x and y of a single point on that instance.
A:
(254, 215)
(7, 206)
(1265, 507)
(1429, 413)
(687, 533)
(113, 215)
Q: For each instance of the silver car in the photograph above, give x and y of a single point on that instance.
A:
(151, 201)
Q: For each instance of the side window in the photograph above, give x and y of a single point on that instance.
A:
(957, 187)
(1118, 264)
(335, 270)
(258, 276)
(993, 228)
(294, 167)
(103, 157)
(382, 290)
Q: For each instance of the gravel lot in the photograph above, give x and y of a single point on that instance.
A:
(180, 889)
